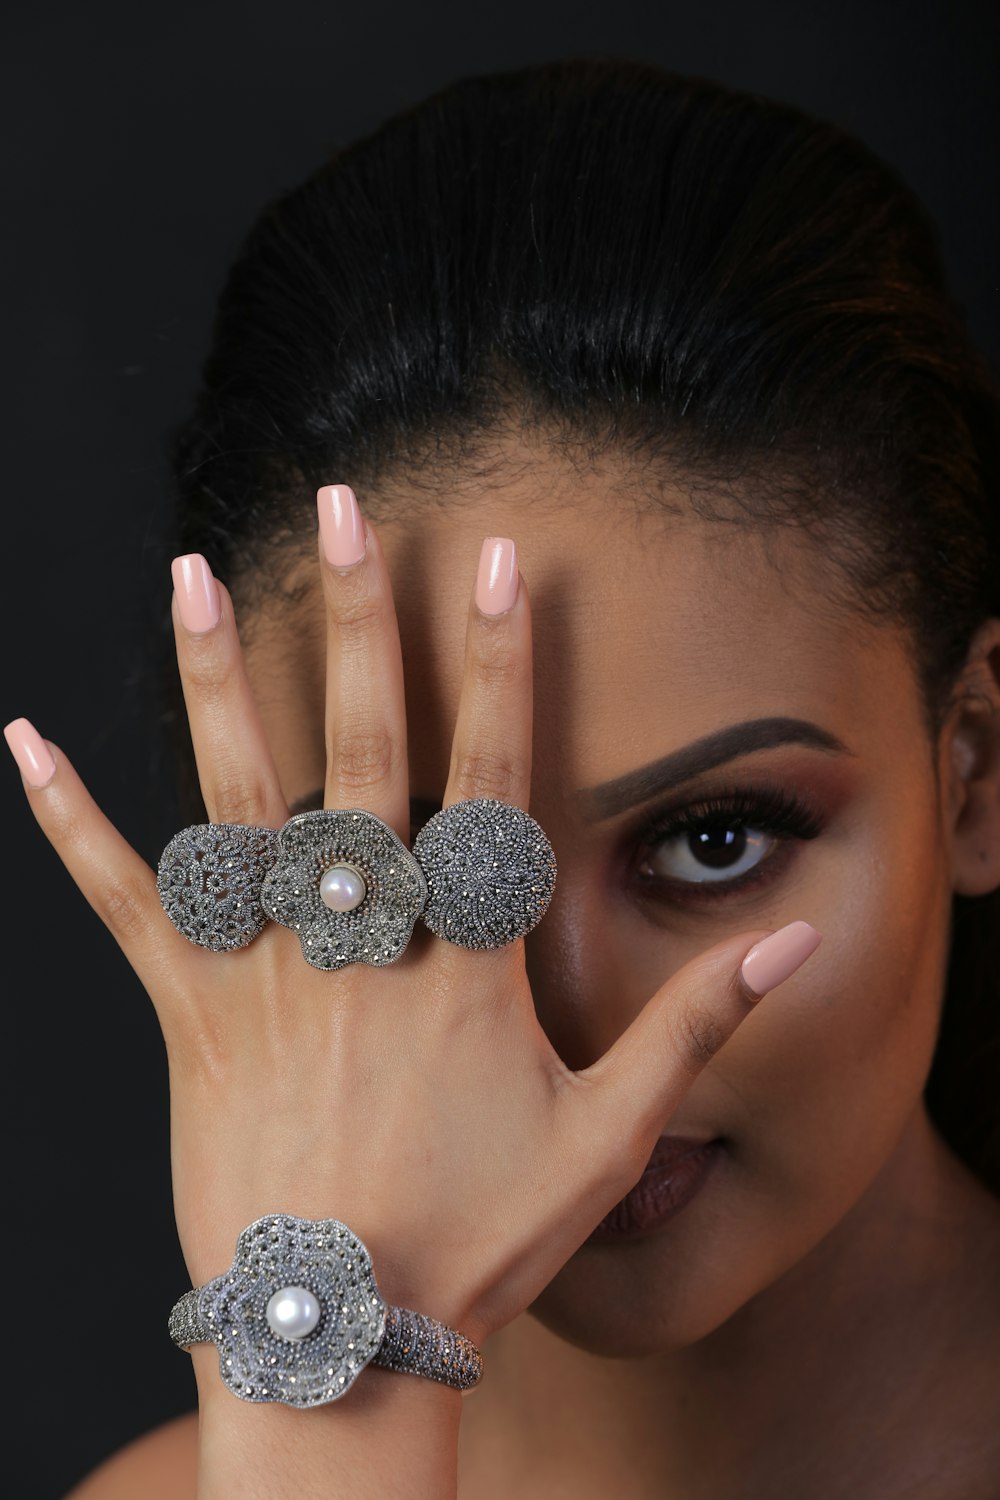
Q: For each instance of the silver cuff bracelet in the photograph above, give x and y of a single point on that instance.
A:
(298, 1315)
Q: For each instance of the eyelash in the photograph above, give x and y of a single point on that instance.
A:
(766, 809)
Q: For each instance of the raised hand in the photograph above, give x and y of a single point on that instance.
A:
(420, 1102)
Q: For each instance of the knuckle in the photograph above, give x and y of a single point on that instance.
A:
(357, 610)
(235, 799)
(491, 659)
(125, 909)
(204, 668)
(363, 758)
(699, 1035)
(486, 772)
(64, 825)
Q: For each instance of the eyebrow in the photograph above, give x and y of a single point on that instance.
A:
(613, 797)
(598, 803)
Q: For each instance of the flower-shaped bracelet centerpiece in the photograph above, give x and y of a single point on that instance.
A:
(298, 1315)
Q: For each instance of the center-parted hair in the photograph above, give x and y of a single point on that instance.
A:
(728, 295)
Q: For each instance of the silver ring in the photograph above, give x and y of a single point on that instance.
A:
(481, 875)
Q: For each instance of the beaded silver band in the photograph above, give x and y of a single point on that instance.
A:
(413, 1343)
(298, 1316)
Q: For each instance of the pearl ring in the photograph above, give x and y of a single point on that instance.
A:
(481, 874)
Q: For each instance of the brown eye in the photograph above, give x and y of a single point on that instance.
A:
(725, 844)
(711, 852)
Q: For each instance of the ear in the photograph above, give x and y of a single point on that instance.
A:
(970, 767)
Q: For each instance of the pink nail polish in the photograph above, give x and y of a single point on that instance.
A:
(33, 756)
(341, 526)
(197, 595)
(497, 580)
(771, 961)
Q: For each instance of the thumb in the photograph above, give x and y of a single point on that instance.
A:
(642, 1078)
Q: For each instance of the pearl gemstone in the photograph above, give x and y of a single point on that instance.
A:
(342, 888)
(293, 1312)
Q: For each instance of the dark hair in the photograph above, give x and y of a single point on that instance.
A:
(709, 283)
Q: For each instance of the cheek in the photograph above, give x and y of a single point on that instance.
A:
(830, 1067)
(814, 1089)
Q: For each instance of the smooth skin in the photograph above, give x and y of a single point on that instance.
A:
(422, 1103)
(823, 1320)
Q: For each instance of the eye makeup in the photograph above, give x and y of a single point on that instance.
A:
(763, 808)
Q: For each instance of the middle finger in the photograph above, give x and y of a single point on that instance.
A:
(365, 716)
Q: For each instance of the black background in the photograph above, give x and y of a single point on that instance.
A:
(140, 142)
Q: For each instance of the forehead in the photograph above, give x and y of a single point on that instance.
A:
(651, 628)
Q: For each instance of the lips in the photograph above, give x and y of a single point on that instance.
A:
(674, 1173)
(671, 1149)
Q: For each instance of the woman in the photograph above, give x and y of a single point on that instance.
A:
(684, 358)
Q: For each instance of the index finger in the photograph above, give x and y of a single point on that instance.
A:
(114, 879)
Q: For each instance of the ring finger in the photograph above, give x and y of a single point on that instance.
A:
(491, 750)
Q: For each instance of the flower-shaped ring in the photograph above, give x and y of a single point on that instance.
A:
(347, 884)
(342, 879)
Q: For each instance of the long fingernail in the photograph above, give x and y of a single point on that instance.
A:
(341, 526)
(32, 754)
(496, 582)
(771, 961)
(197, 596)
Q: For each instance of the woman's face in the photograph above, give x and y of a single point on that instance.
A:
(651, 633)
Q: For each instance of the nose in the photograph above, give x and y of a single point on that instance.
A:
(585, 989)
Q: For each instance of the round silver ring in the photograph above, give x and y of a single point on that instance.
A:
(490, 871)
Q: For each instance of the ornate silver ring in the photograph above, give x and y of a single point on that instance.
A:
(481, 874)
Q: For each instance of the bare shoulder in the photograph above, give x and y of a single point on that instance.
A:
(160, 1465)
